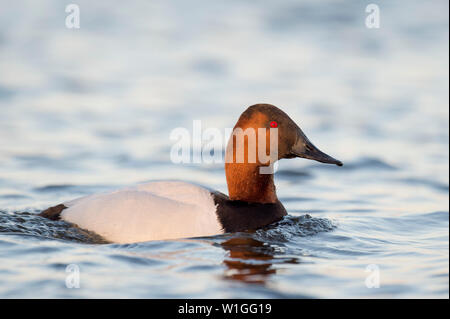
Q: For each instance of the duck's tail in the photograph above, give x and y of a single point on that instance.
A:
(53, 213)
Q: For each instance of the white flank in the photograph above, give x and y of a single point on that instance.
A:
(150, 211)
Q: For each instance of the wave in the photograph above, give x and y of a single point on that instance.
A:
(294, 226)
(31, 224)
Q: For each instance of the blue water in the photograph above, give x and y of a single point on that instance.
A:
(91, 109)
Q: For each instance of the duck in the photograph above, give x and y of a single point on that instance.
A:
(166, 210)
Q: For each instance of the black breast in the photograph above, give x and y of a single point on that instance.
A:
(236, 215)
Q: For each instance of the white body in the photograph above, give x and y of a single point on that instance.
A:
(150, 211)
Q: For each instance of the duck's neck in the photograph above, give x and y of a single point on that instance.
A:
(246, 183)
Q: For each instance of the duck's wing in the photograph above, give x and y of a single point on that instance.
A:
(152, 211)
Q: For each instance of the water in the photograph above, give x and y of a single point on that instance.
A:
(90, 110)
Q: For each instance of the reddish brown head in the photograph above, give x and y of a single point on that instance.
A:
(254, 145)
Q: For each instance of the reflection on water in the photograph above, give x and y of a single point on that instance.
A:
(246, 260)
(91, 110)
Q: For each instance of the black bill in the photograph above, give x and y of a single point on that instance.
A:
(305, 149)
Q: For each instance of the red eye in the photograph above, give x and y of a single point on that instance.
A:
(273, 124)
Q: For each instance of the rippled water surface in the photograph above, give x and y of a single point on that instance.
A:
(90, 110)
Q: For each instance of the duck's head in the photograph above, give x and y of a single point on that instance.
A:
(291, 141)
(248, 164)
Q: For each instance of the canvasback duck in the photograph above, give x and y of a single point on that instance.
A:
(170, 209)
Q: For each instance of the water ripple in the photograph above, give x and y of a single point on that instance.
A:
(30, 224)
